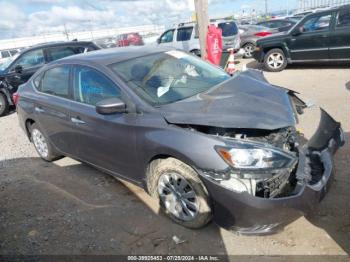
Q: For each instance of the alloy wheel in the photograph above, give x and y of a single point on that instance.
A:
(178, 196)
(249, 49)
(40, 143)
(275, 60)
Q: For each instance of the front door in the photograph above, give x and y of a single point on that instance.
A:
(340, 37)
(107, 141)
(167, 38)
(30, 62)
(313, 42)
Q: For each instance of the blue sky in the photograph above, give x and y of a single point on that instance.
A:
(33, 17)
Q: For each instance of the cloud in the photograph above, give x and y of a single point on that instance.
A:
(79, 15)
(10, 16)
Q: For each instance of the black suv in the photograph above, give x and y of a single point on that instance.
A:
(21, 67)
(319, 37)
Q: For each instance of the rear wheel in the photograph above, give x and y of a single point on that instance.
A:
(180, 192)
(275, 60)
(248, 50)
(42, 145)
(4, 105)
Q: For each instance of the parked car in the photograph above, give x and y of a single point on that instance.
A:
(250, 34)
(21, 67)
(185, 36)
(7, 54)
(129, 39)
(106, 42)
(206, 145)
(282, 25)
(319, 37)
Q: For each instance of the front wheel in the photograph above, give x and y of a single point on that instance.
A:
(180, 192)
(42, 145)
(4, 105)
(275, 60)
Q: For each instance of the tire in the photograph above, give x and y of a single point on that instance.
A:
(248, 50)
(41, 144)
(196, 52)
(195, 212)
(4, 105)
(275, 60)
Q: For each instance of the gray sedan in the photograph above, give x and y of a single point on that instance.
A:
(250, 34)
(205, 145)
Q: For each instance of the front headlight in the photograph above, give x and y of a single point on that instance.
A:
(250, 156)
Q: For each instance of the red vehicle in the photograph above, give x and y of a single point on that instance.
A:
(129, 39)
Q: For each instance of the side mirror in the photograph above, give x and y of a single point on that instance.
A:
(110, 106)
(18, 69)
(298, 31)
(158, 40)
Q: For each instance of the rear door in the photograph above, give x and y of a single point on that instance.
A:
(340, 37)
(52, 107)
(107, 141)
(313, 43)
(183, 38)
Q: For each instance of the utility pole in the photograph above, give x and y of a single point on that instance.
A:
(65, 32)
(201, 7)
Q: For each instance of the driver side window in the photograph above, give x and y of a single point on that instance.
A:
(31, 59)
(91, 86)
(317, 23)
(167, 37)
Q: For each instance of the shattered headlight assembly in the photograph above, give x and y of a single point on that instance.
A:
(251, 163)
(255, 157)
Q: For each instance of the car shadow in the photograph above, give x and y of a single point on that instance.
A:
(305, 66)
(333, 213)
(347, 85)
(67, 207)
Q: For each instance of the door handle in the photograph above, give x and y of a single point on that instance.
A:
(77, 121)
(39, 110)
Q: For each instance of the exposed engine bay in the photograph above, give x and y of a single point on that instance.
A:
(276, 183)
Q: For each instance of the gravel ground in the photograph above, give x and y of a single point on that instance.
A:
(67, 207)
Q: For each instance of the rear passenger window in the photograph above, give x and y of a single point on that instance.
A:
(184, 34)
(54, 82)
(60, 52)
(344, 18)
(5, 54)
(91, 86)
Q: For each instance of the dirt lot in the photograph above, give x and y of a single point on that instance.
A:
(67, 207)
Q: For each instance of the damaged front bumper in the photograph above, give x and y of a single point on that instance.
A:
(248, 214)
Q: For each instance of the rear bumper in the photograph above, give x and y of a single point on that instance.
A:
(247, 214)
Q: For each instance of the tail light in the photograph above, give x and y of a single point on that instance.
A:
(15, 98)
(263, 34)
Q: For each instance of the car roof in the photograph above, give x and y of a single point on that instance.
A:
(56, 44)
(113, 55)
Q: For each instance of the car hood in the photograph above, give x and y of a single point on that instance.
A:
(246, 101)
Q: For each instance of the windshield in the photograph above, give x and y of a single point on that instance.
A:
(228, 29)
(168, 77)
(5, 65)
